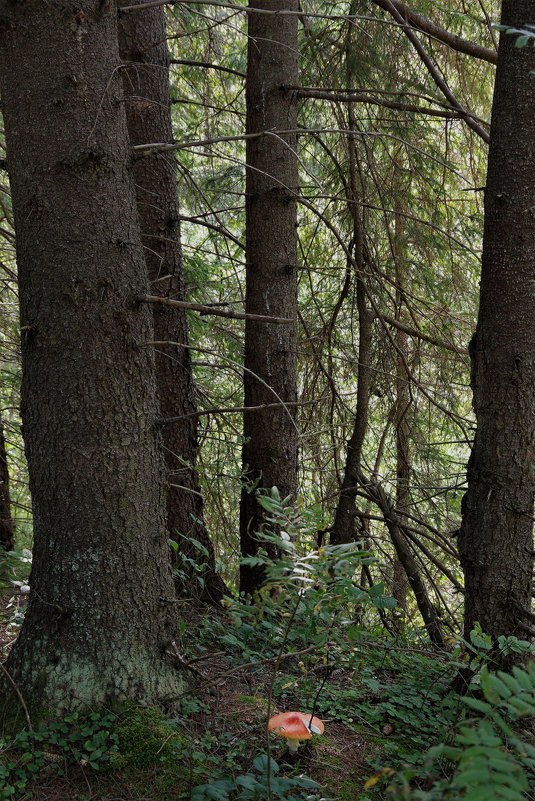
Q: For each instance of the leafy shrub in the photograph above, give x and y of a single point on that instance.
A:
(14, 568)
(315, 588)
(255, 786)
(491, 755)
(74, 740)
(14, 572)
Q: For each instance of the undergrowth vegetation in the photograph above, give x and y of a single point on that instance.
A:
(315, 640)
(388, 702)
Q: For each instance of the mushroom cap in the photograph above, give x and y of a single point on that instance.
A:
(295, 725)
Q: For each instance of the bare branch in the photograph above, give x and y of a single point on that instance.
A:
(183, 304)
(362, 97)
(425, 25)
(232, 409)
(189, 63)
(413, 332)
(431, 68)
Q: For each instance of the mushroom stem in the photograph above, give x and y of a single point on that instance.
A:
(293, 745)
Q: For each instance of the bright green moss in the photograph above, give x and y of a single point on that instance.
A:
(143, 739)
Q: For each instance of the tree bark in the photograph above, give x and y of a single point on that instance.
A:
(403, 400)
(7, 528)
(99, 615)
(143, 49)
(496, 538)
(269, 451)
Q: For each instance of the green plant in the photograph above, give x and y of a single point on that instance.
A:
(323, 581)
(14, 568)
(76, 739)
(202, 756)
(524, 36)
(491, 756)
(257, 786)
(185, 567)
(482, 651)
(14, 572)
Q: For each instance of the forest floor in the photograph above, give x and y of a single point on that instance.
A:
(371, 722)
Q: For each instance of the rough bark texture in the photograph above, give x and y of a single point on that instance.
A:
(403, 395)
(7, 528)
(98, 616)
(399, 580)
(270, 436)
(143, 49)
(496, 539)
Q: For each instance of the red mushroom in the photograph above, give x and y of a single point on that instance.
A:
(295, 726)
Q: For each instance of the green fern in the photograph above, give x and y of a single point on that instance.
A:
(489, 755)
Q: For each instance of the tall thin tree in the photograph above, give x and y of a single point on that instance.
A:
(7, 528)
(343, 528)
(143, 49)
(403, 399)
(270, 435)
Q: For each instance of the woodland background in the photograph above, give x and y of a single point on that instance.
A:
(322, 166)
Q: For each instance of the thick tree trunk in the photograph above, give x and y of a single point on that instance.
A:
(270, 436)
(99, 614)
(143, 49)
(7, 529)
(496, 539)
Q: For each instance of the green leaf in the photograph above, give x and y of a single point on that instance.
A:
(247, 780)
(306, 782)
(377, 590)
(261, 764)
(499, 686)
(217, 790)
(477, 704)
(523, 679)
(479, 642)
(481, 775)
(521, 707)
(385, 602)
(200, 547)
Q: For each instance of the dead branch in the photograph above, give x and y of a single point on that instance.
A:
(183, 304)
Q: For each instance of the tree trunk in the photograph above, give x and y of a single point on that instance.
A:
(99, 614)
(403, 393)
(143, 49)
(7, 529)
(270, 436)
(402, 402)
(343, 530)
(496, 539)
